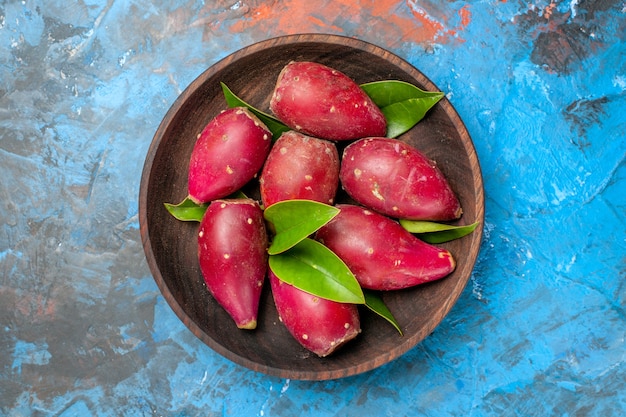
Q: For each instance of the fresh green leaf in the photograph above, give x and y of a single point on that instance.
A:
(273, 124)
(403, 104)
(403, 115)
(433, 232)
(312, 267)
(187, 210)
(294, 220)
(374, 302)
(384, 93)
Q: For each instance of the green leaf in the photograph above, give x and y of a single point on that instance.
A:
(374, 302)
(294, 220)
(312, 267)
(433, 232)
(187, 210)
(403, 104)
(403, 115)
(384, 93)
(273, 124)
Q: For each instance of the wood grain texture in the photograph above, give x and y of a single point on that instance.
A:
(170, 245)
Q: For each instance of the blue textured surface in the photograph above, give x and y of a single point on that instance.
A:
(539, 330)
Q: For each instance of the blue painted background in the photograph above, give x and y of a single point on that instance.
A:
(539, 330)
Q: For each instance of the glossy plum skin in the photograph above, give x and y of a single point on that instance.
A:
(320, 101)
(300, 167)
(319, 325)
(395, 179)
(228, 153)
(232, 250)
(381, 254)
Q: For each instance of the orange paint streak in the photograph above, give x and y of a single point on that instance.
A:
(380, 8)
(466, 16)
(431, 26)
(320, 23)
(549, 9)
(291, 16)
(264, 11)
(393, 22)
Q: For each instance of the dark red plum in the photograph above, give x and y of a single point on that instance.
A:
(323, 102)
(395, 179)
(381, 254)
(232, 250)
(228, 153)
(319, 325)
(300, 167)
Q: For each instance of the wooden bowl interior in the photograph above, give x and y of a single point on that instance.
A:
(170, 245)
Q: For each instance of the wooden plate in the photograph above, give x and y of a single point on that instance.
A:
(170, 245)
